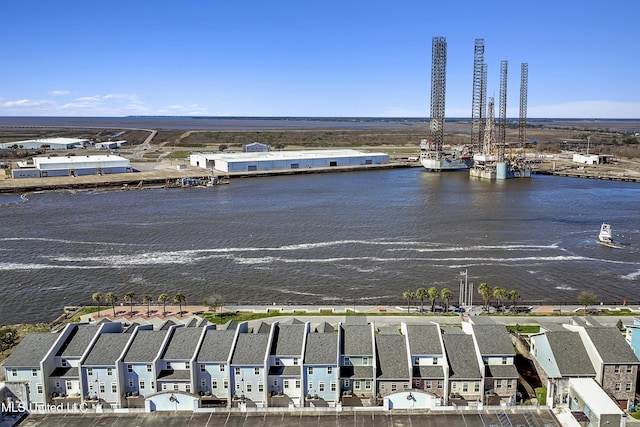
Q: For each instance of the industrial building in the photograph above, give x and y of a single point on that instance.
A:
(285, 160)
(49, 143)
(109, 145)
(71, 166)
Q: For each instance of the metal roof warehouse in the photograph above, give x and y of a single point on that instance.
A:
(278, 160)
(72, 166)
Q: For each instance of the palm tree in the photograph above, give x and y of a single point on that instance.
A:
(179, 299)
(446, 295)
(130, 297)
(146, 298)
(163, 298)
(485, 291)
(408, 295)
(498, 293)
(97, 297)
(112, 299)
(421, 294)
(514, 296)
(433, 294)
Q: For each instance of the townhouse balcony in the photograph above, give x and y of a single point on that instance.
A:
(57, 398)
(315, 401)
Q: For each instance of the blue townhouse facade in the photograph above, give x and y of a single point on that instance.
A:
(320, 366)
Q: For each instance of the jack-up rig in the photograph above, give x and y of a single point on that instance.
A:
(491, 160)
(432, 154)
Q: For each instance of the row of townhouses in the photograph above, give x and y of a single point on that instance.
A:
(290, 364)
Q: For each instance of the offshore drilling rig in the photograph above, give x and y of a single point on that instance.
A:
(494, 158)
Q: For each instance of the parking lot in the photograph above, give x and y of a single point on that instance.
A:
(297, 419)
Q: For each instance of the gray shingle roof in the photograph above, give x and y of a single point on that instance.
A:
(424, 339)
(145, 346)
(216, 345)
(321, 349)
(493, 340)
(325, 327)
(355, 372)
(502, 371)
(31, 350)
(570, 354)
(287, 340)
(250, 349)
(463, 363)
(182, 344)
(392, 357)
(429, 371)
(357, 340)
(78, 341)
(611, 345)
(106, 350)
(177, 374)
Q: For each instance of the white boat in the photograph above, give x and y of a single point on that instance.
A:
(605, 239)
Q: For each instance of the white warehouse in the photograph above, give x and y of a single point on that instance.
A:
(284, 160)
(72, 166)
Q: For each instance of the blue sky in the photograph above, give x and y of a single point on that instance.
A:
(312, 58)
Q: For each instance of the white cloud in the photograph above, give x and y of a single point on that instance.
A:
(59, 92)
(20, 103)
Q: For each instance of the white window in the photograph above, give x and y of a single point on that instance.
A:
(509, 383)
(295, 361)
(260, 386)
(153, 385)
(249, 387)
(175, 387)
(130, 383)
(367, 384)
(428, 384)
(187, 388)
(356, 384)
(203, 367)
(629, 369)
(39, 388)
(321, 386)
(394, 387)
(440, 383)
(333, 386)
(148, 368)
(221, 368)
(329, 370)
(465, 387)
(365, 361)
(187, 365)
(476, 387)
(286, 384)
(203, 383)
(616, 368)
(346, 383)
(498, 383)
(237, 371)
(14, 372)
(628, 387)
(256, 371)
(214, 383)
(141, 384)
(130, 368)
(168, 365)
(310, 385)
(114, 387)
(109, 371)
(297, 383)
(277, 362)
(618, 388)
(69, 385)
(63, 363)
(435, 360)
(405, 386)
(310, 370)
(34, 372)
(164, 386)
(102, 389)
(504, 360)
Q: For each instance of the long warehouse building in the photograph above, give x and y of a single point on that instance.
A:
(283, 160)
(42, 167)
